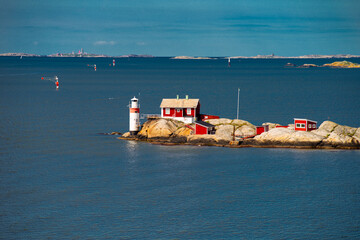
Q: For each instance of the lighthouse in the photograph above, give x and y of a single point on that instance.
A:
(134, 121)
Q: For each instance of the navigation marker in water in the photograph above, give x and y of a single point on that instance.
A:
(113, 62)
(52, 79)
(229, 64)
(92, 65)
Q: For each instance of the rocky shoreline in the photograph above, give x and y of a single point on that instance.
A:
(239, 133)
(341, 64)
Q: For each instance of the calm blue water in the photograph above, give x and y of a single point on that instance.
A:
(59, 179)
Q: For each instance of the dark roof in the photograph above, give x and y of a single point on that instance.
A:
(205, 124)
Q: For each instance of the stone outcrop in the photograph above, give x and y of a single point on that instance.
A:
(342, 64)
(220, 121)
(126, 135)
(183, 132)
(336, 135)
(308, 65)
(286, 137)
(271, 125)
(226, 128)
(225, 132)
(328, 135)
(207, 140)
(159, 128)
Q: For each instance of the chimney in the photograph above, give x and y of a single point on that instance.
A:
(177, 97)
(187, 97)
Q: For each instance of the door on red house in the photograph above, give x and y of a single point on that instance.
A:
(178, 112)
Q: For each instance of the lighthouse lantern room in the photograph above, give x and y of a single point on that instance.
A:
(134, 121)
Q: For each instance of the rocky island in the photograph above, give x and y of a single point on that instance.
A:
(191, 58)
(340, 64)
(239, 133)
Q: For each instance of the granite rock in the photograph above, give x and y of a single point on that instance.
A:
(158, 128)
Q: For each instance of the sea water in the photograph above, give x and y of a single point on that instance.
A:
(60, 179)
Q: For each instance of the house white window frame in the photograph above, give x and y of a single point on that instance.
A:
(300, 125)
(167, 111)
(188, 111)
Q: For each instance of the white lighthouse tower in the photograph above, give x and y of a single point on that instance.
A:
(134, 121)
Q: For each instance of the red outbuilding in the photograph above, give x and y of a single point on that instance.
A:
(301, 124)
(204, 128)
(261, 129)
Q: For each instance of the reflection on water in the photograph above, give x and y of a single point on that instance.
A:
(132, 149)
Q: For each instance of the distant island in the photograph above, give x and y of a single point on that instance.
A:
(187, 57)
(272, 56)
(340, 64)
(84, 54)
(343, 64)
(80, 54)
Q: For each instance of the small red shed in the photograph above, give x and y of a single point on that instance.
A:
(301, 124)
(204, 128)
(261, 129)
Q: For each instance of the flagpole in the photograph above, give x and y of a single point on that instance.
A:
(237, 115)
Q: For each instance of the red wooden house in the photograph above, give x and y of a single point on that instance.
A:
(304, 124)
(185, 110)
(204, 128)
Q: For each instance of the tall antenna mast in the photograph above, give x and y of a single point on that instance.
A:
(237, 115)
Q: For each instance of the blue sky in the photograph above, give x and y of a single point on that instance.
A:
(170, 28)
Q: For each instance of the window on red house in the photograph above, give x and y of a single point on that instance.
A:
(300, 125)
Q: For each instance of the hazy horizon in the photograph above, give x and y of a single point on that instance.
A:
(148, 55)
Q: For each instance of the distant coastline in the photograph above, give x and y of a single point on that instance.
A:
(80, 55)
(312, 56)
(196, 58)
